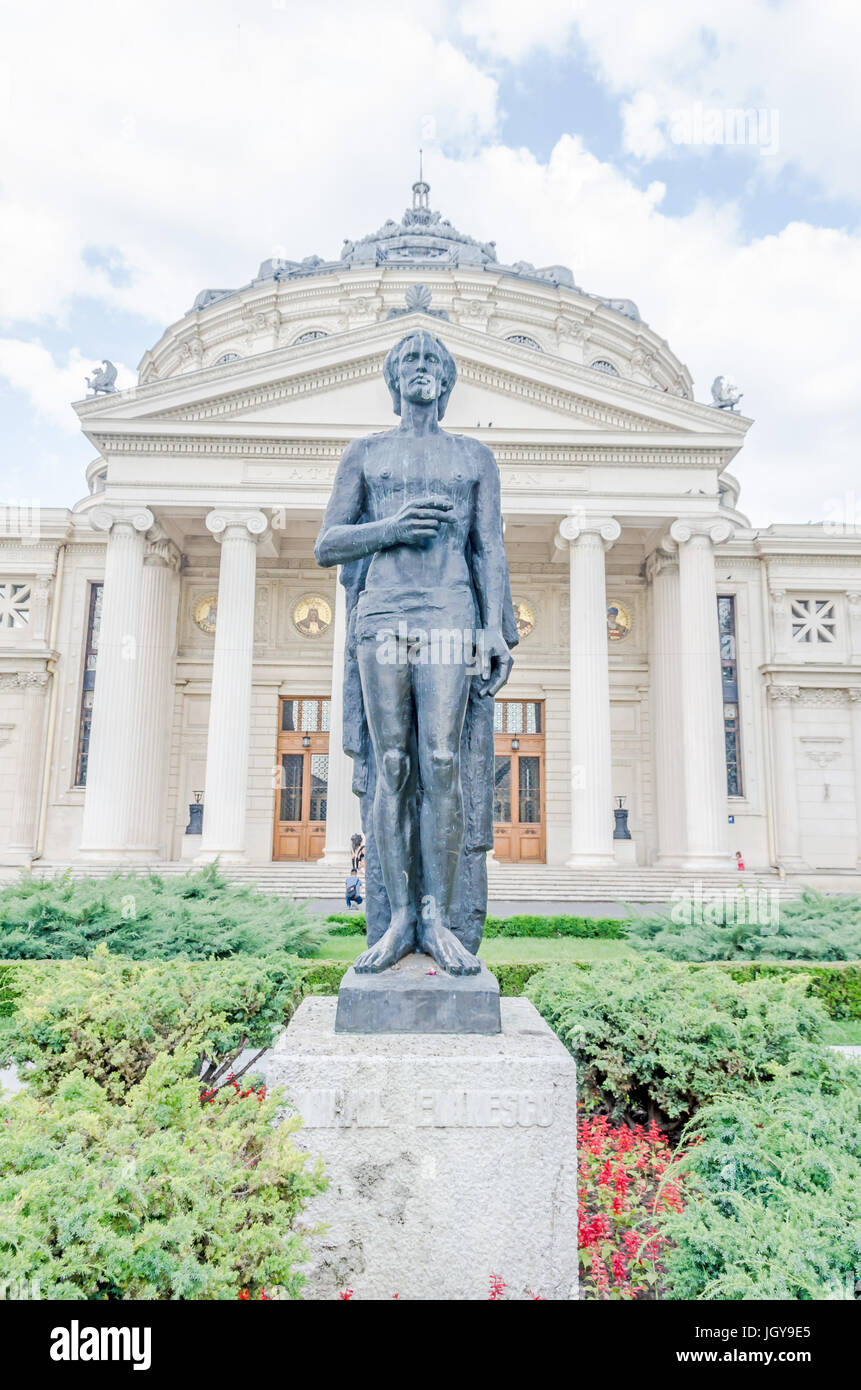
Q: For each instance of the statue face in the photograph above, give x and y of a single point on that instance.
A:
(420, 370)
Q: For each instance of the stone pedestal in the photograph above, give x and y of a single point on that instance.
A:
(415, 996)
(449, 1157)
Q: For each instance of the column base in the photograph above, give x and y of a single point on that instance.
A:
(103, 856)
(16, 858)
(583, 859)
(336, 859)
(794, 865)
(704, 863)
(222, 856)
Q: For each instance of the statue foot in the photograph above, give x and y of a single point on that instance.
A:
(398, 941)
(441, 943)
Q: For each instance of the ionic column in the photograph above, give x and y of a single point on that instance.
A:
(224, 804)
(665, 703)
(151, 746)
(28, 770)
(855, 708)
(342, 807)
(702, 744)
(111, 773)
(786, 817)
(591, 779)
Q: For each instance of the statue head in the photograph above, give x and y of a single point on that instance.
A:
(420, 368)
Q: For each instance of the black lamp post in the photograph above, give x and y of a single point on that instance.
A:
(621, 831)
(195, 816)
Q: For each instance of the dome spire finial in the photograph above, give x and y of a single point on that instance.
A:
(421, 191)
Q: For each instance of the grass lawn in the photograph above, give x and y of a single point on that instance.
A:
(500, 948)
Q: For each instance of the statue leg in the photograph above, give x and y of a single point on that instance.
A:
(389, 708)
(441, 693)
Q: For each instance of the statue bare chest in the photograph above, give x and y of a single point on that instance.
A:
(399, 471)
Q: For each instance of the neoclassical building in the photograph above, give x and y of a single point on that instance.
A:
(169, 642)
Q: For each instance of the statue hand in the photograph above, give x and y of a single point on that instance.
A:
(496, 662)
(418, 521)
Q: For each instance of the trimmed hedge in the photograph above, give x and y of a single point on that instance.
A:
(587, 928)
(325, 976)
(837, 984)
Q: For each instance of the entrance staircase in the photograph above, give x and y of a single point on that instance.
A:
(521, 887)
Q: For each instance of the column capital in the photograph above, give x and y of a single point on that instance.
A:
(572, 528)
(663, 558)
(160, 550)
(783, 694)
(854, 693)
(108, 515)
(715, 528)
(223, 520)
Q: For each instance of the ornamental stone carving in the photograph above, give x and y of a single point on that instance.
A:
(224, 519)
(24, 680)
(571, 528)
(685, 529)
(106, 517)
(783, 694)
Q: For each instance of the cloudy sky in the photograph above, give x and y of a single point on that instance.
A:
(147, 151)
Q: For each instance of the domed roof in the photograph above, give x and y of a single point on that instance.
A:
(422, 240)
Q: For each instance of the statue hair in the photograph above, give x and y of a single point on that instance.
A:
(449, 370)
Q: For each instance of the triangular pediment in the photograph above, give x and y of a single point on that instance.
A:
(338, 383)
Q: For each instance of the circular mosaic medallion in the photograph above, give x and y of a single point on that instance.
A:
(206, 612)
(312, 615)
(524, 617)
(618, 621)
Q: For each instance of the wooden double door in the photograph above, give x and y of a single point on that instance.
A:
(302, 778)
(301, 792)
(518, 781)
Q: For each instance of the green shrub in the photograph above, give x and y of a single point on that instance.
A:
(198, 915)
(655, 1040)
(109, 1017)
(814, 927)
(607, 928)
(773, 1201)
(158, 1197)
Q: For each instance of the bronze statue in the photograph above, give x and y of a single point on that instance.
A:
(414, 520)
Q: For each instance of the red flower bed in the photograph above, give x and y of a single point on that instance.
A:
(625, 1183)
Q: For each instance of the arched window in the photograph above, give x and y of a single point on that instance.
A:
(602, 365)
(523, 340)
(310, 336)
(228, 357)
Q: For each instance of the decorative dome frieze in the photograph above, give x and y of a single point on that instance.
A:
(392, 272)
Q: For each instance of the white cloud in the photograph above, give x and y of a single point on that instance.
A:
(796, 58)
(195, 142)
(49, 386)
(779, 314)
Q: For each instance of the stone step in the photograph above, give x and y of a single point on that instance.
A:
(507, 884)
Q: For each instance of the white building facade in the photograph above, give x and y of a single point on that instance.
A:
(170, 640)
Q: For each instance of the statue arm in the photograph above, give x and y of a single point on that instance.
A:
(342, 536)
(488, 546)
(490, 574)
